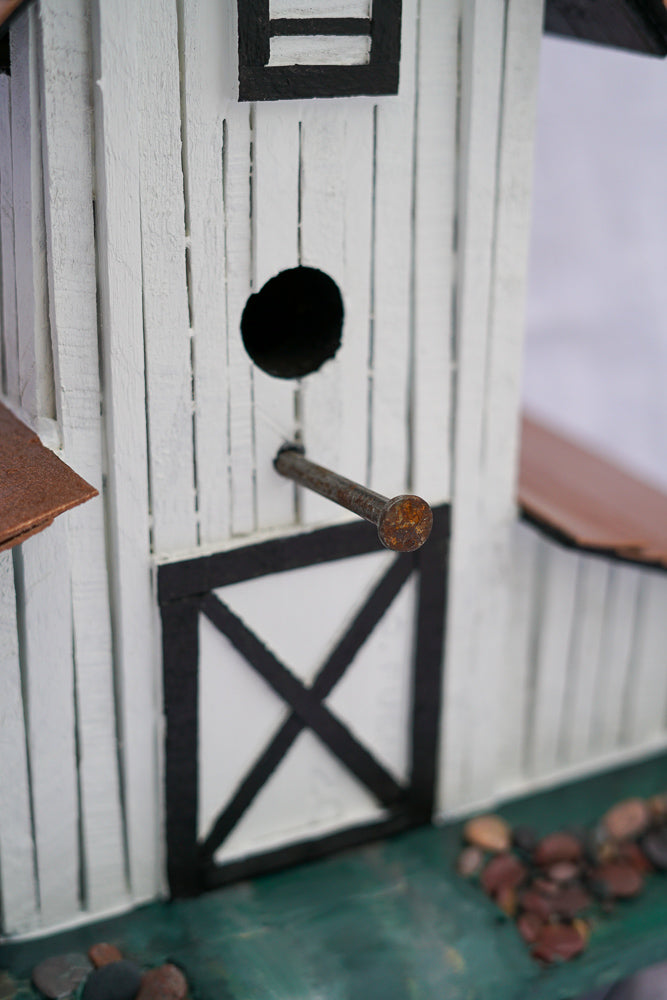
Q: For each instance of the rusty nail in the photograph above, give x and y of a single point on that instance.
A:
(403, 522)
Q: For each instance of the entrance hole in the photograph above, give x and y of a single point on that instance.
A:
(294, 323)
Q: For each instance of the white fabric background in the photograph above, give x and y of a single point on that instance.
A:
(596, 345)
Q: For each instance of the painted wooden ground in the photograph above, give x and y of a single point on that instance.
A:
(391, 920)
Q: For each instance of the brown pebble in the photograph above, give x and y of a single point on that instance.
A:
(627, 819)
(582, 928)
(558, 942)
(529, 926)
(165, 983)
(104, 954)
(657, 807)
(534, 902)
(631, 854)
(557, 847)
(8, 986)
(621, 880)
(506, 900)
(607, 851)
(489, 832)
(563, 871)
(546, 886)
(470, 861)
(570, 901)
(502, 871)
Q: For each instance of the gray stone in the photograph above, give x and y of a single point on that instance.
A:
(116, 981)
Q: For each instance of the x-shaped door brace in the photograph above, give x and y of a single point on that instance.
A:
(182, 597)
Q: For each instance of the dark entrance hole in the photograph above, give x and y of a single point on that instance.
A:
(294, 323)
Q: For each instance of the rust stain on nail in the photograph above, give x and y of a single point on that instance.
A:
(403, 522)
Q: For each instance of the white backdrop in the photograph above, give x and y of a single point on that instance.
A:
(596, 347)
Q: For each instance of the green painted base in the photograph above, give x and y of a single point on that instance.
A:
(392, 921)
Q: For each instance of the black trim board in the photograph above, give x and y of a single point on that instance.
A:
(304, 851)
(260, 82)
(199, 575)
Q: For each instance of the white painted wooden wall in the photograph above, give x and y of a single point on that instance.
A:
(132, 231)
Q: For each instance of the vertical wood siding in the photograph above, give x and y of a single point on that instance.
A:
(35, 360)
(591, 644)
(20, 900)
(117, 41)
(124, 272)
(68, 166)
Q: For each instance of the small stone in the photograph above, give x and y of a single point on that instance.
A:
(502, 871)
(59, 976)
(570, 901)
(103, 954)
(657, 807)
(524, 839)
(534, 902)
(489, 832)
(8, 986)
(529, 925)
(654, 846)
(506, 900)
(631, 854)
(165, 983)
(607, 851)
(627, 819)
(557, 847)
(558, 942)
(582, 928)
(546, 886)
(563, 871)
(116, 981)
(621, 880)
(597, 844)
(470, 861)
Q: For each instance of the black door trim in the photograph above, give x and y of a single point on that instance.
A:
(185, 592)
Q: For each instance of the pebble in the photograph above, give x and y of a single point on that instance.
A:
(506, 900)
(503, 871)
(59, 976)
(529, 926)
(8, 986)
(627, 819)
(622, 881)
(558, 942)
(470, 861)
(557, 847)
(654, 846)
(489, 832)
(524, 839)
(632, 854)
(563, 871)
(546, 884)
(116, 981)
(570, 901)
(165, 983)
(103, 953)
(537, 904)
(657, 807)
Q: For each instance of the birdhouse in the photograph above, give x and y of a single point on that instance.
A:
(263, 275)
